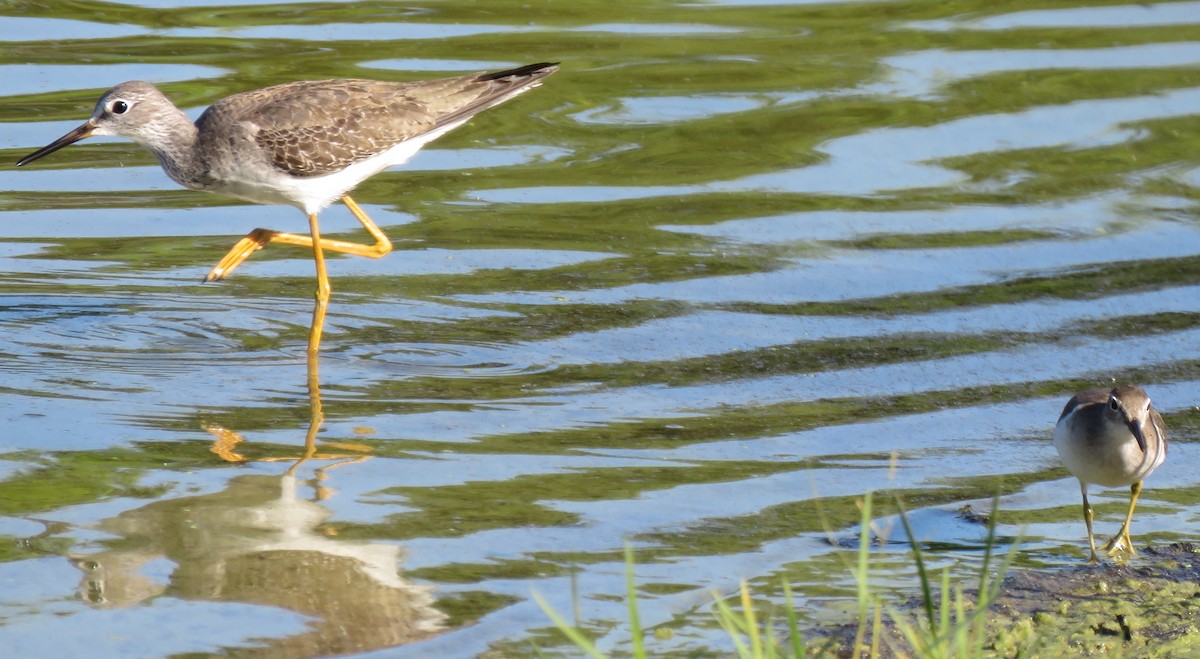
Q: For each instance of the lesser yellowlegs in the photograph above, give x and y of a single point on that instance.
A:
(303, 144)
(1111, 437)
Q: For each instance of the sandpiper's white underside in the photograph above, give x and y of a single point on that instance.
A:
(265, 184)
(1111, 460)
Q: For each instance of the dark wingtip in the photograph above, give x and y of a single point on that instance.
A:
(544, 68)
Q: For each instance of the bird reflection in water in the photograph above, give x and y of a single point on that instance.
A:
(259, 541)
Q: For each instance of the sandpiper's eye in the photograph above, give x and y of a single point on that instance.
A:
(120, 107)
(1112, 404)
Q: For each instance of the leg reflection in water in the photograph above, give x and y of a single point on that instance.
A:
(226, 439)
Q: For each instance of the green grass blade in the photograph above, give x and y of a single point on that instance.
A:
(861, 574)
(635, 624)
(731, 623)
(752, 630)
(876, 626)
(582, 642)
(926, 595)
(943, 622)
(797, 641)
(989, 545)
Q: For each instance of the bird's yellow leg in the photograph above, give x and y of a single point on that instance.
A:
(260, 238)
(1087, 520)
(323, 290)
(1121, 543)
(382, 245)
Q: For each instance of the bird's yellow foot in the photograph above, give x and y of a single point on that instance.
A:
(1121, 545)
(254, 241)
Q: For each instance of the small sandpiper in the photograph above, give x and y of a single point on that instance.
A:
(303, 144)
(1111, 437)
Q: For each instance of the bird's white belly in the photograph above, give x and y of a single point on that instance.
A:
(272, 186)
(1113, 460)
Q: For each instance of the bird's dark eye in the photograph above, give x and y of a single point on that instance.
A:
(120, 107)
(1112, 404)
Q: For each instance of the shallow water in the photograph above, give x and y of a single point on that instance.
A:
(734, 266)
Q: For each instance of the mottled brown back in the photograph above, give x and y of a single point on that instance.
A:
(313, 128)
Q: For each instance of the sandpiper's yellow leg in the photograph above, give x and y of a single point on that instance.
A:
(259, 238)
(1087, 520)
(323, 290)
(1121, 543)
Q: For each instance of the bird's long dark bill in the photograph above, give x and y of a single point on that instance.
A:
(70, 138)
(1135, 429)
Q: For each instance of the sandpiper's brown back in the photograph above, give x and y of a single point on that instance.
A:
(317, 127)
